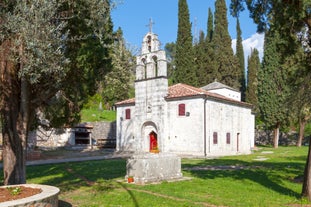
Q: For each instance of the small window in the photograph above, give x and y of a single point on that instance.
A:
(228, 138)
(215, 138)
(181, 109)
(127, 113)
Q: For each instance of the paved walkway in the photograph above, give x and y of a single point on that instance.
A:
(76, 159)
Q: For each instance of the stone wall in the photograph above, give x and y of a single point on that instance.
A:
(51, 138)
(265, 137)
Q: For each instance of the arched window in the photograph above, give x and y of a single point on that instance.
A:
(149, 43)
(182, 109)
(127, 113)
(228, 138)
(215, 138)
(145, 68)
(155, 60)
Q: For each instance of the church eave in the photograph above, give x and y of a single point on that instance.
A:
(128, 102)
(158, 77)
(230, 101)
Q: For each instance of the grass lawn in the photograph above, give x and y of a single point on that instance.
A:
(92, 115)
(253, 182)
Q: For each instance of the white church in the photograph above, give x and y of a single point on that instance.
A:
(181, 119)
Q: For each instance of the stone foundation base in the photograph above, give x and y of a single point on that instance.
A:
(47, 198)
(151, 167)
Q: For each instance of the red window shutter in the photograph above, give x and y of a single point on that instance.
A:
(128, 114)
(181, 109)
(228, 138)
(215, 138)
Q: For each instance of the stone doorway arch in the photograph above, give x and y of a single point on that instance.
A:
(150, 136)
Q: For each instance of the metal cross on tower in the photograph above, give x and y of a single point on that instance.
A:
(150, 25)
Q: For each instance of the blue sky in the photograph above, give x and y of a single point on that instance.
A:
(133, 17)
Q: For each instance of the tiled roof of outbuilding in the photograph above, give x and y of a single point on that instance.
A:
(217, 85)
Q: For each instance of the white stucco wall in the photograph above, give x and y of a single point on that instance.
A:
(227, 93)
(185, 135)
(125, 139)
(224, 118)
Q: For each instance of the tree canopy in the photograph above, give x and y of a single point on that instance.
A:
(38, 71)
(184, 59)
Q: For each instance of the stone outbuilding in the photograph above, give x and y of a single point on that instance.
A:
(181, 119)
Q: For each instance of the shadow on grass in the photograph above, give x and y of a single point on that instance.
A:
(271, 175)
(64, 176)
(62, 203)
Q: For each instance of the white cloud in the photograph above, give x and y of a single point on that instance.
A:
(255, 41)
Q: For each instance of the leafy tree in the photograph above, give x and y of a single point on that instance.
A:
(89, 54)
(252, 79)
(34, 69)
(184, 59)
(273, 90)
(300, 97)
(226, 64)
(240, 57)
(170, 49)
(289, 18)
(118, 84)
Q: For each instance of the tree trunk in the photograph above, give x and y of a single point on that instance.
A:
(15, 117)
(302, 125)
(306, 188)
(276, 135)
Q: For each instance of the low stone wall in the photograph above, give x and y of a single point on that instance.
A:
(48, 197)
(51, 138)
(265, 137)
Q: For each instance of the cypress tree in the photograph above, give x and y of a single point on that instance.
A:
(200, 60)
(272, 85)
(240, 57)
(252, 79)
(210, 26)
(209, 50)
(226, 64)
(184, 71)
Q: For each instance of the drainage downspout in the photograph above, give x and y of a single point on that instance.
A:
(204, 121)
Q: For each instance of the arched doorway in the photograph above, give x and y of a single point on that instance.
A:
(153, 137)
(150, 142)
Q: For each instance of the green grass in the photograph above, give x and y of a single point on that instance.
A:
(260, 183)
(92, 115)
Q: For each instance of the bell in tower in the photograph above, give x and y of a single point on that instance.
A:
(152, 61)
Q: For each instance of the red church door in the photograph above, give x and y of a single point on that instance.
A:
(153, 141)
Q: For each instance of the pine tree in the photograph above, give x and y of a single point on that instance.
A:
(184, 71)
(226, 64)
(240, 57)
(273, 91)
(252, 79)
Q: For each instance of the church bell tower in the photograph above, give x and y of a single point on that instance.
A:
(151, 86)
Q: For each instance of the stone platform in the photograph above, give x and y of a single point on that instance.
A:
(153, 167)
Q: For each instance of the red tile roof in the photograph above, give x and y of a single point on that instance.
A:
(126, 102)
(181, 90)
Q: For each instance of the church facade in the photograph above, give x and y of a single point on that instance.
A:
(181, 119)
